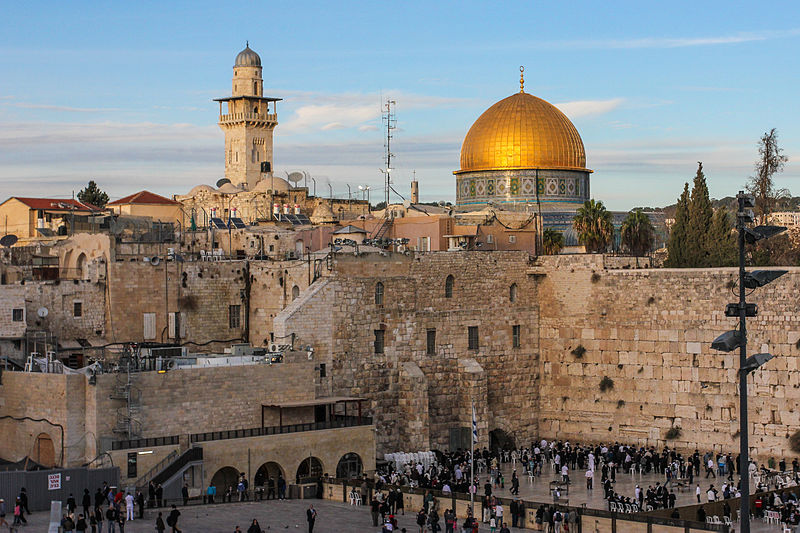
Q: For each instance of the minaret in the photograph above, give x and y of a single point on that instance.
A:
(248, 119)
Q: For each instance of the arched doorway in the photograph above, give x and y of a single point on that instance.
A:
(295, 292)
(44, 452)
(500, 440)
(80, 267)
(225, 477)
(309, 468)
(299, 248)
(270, 469)
(350, 466)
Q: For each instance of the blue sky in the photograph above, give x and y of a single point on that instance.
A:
(121, 92)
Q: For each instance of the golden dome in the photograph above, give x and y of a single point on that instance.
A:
(521, 132)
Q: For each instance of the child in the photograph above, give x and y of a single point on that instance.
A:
(492, 524)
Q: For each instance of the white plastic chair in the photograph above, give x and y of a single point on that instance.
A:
(715, 520)
(727, 521)
(613, 507)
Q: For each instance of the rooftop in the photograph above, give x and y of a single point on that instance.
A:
(144, 197)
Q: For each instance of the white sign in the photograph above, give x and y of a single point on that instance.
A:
(53, 481)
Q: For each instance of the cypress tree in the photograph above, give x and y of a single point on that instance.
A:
(698, 243)
(722, 240)
(676, 246)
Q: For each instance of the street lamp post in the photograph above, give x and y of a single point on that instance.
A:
(731, 340)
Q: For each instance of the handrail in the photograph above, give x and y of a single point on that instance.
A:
(192, 454)
(153, 472)
(340, 421)
(271, 117)
(145, 443)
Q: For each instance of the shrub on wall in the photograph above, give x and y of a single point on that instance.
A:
(794, 442)
(606, 384)
(673, 433)
(579, 351)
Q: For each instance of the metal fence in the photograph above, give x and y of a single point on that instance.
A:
(42, 486)
(338, 422)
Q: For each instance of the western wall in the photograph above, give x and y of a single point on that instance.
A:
(582, 318)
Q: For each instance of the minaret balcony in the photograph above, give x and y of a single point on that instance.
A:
(232, 118)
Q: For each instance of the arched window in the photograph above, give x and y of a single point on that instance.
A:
(295, 292)
(448, 286)
(379, 294)
(255, 87)
(512, 292)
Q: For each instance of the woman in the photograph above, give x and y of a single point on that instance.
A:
(254, 527)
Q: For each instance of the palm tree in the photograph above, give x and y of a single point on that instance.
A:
(552, 241)
(594, 226)
(638, 233)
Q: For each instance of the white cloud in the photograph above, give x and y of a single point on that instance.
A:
(582, 108)
(61, 108)
(367, 127)
(669, 42)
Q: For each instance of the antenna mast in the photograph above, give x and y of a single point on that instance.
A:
(390, 121)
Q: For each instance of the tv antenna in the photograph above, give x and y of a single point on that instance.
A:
(390, 121)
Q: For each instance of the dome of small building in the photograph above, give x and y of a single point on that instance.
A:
(322, 214)
(201, 188)
(229, 188)
(274, 184)
(247, 58)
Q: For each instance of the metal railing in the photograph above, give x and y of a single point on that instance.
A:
(234, 117)
(145, 443)
(339, 421)
(153, 472)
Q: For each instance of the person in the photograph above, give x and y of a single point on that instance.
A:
(311, 517)
(374, 507)
(98, 518)
(399, 502)
(270, 488)
(140, 503)
(3, 512)
(80, 526)
(701, 514)
(254, 527)
(172, 519)
(160, 527)
(23, 498)
(421, 519)
(589, 478)
(697, 492)
(492, 524)
(211, 492)
(111, 517)
(71, 505)
(67, 524)
(281, 487)
(237, 530)
(86, 502)
(19, 512)
(93, 522)
(185, 494)
(128, 506)
(151, 495)
(159, 495)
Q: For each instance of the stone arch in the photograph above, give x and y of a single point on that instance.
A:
(512, 292)
(448, 286)
(350, 466)
(310, 467)
(269, 469)
(81, 270)
(499, 439)
(44, 452)
(295, 292)
(225, 477)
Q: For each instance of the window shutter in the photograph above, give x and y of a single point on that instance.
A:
(149, 326)
(182, 325)
(171, 325)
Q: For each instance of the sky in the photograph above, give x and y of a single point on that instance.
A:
(121, 92)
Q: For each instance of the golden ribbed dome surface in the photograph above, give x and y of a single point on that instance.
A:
(522, 131)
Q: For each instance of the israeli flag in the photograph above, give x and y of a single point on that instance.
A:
(474, 426)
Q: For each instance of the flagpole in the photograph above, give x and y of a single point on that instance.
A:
(472, 460)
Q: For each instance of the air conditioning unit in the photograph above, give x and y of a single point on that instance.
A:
(274, 348)
(291, 255)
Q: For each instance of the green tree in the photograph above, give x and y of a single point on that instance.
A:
(92, 194)
(770, 162)
(552, 241)
(676, 245)
(700, 215)
(723, 246)
(638, 233)
(593, 223)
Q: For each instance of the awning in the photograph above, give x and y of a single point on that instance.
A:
(69, 344)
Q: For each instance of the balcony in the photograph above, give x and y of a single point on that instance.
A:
(339, 421)
(233, 118)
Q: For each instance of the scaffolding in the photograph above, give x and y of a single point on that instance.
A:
(128, 424)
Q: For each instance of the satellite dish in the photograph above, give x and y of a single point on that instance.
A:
(295, 177)
(222, 181)
(8, 240)
(406, 203)
(155, 260)
(42, 312)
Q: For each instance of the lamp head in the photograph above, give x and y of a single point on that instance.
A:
(759, 278)
(727, 342)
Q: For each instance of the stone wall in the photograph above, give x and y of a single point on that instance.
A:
(650, 332)
(412, 393)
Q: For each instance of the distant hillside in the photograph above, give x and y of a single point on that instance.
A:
(729, 202)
